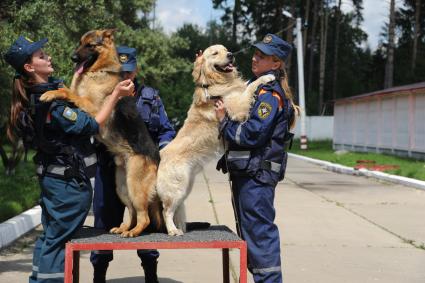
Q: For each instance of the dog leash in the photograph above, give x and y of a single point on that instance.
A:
(235, 213)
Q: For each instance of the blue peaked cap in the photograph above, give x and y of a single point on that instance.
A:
(274, 45)
(20, 50)
(127, 57)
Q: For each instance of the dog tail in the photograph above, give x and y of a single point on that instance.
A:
(155, 215)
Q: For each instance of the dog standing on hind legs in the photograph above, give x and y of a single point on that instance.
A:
(124, 134)
(196, 143)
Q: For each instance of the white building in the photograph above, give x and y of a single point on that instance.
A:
(317, 127)
(386, 121)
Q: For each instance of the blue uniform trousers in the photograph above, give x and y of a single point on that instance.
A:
(253, 202)
(65, 205)
(108, 209)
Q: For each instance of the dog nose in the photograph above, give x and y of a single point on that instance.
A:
(230, 55)
(74, 58)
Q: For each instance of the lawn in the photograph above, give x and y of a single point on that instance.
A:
(323, 150)
(18, 192)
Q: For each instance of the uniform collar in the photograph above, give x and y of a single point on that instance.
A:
(52, 84)
(271, 86)
(271, 72)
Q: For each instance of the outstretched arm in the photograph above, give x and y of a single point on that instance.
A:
(124, 88)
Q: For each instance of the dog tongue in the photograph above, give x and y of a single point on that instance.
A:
(229, 67)
(80, 68)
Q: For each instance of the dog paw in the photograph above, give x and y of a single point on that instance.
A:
(116, 230)
(267, 78)
(52, 95)
(239, 117)
(175, 232)
(128, 234)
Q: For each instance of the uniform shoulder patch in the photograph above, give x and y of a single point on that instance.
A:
(264, 110)
(69, 114)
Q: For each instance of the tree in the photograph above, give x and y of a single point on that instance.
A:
(306, 19)
(290, 38)
(336, 48)
(358, 6)
(323, 46)
(389, 66)
(63, 22)
(313, 45)
(416, 34)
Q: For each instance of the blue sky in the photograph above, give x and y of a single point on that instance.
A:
(171, 14)
(174, 13)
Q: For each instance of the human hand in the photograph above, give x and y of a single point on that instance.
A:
(198, 54)
(220, 110)
(124, 88)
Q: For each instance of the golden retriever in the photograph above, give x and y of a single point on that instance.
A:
(197, 141)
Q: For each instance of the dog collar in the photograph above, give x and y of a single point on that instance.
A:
(207, 95)
(203, 85)
(205, 89)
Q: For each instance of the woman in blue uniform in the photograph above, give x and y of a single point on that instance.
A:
(256, 158)
(107, 207)
(65, 158)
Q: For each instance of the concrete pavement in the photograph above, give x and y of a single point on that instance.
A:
(334, 228)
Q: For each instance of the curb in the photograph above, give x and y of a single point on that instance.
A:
(12, 229)
(363, 172)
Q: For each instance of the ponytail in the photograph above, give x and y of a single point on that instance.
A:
(288, 94)
(18, 104)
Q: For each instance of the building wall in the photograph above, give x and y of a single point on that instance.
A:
(317, 127)
(392, 123)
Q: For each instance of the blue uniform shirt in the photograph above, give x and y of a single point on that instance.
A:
(257, 130)
(256, 147)
(61, 135)
(152, 111)
(73, 120)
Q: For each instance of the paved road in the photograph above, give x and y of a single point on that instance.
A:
(334, 228)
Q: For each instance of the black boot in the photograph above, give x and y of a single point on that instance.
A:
(99, 274)
(150, 271)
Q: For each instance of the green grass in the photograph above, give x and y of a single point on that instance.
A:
(323, 150)
(18, 192)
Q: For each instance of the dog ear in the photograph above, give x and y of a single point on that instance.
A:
(197, 66)
(108, 33)
(199, 97)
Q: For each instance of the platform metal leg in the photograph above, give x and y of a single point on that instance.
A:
(226, 273)
(69, 262)
(76, 267)
(243, 263)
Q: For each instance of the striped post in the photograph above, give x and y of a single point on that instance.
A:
(303, 142)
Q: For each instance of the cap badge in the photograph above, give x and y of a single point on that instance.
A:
(123, 58)
(267, 39)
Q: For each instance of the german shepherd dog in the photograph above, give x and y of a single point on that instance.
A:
(124, 134)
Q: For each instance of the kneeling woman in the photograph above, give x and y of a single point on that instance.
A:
(65, 156)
